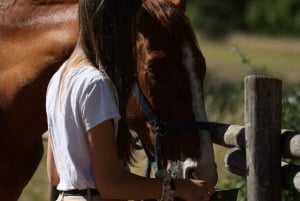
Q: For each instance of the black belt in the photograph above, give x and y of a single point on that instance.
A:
(78, 192)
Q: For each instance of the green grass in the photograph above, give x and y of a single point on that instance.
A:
(281, 58)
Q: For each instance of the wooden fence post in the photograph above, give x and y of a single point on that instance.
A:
(262, 133)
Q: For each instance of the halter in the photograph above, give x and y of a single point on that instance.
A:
(163, 128)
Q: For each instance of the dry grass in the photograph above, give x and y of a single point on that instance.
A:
(280, 56)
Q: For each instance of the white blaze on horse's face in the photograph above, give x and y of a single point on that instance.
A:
(195, 83)
(204, 167)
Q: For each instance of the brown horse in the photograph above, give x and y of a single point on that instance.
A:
(171, 70)
(36, 36)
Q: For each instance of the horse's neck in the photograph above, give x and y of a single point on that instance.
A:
(34, 42)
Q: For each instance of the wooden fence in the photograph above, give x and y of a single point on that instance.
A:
(258, 147)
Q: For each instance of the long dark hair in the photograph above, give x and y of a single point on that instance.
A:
(107, 37)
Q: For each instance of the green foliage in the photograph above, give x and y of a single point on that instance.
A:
(290, 120)
(291, 108)
(274, 16)
(216, 18)
(217, 105)
(290, 196)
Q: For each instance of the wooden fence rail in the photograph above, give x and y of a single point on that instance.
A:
(258, 147)
(230, 136)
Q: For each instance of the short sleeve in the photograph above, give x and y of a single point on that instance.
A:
(98, 103)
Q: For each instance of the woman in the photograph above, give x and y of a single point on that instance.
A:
(86, 101)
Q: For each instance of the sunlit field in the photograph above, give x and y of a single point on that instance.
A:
(280, 57)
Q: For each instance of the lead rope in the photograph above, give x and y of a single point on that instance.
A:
(168, 185)
(175, 169)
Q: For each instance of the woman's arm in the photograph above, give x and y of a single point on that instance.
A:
(51, 168)
(115, 183)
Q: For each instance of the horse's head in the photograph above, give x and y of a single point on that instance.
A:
(170, 72)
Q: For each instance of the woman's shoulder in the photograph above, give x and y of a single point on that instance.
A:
(89, 78)
(89, 74)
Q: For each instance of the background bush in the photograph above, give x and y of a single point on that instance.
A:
(216, 18)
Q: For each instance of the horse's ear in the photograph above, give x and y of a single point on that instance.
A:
(180, 3)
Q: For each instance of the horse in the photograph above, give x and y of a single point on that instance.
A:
(37, 36)
(171, 70)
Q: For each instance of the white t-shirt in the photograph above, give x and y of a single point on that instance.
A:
(85, 98)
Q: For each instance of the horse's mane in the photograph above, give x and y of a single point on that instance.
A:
(172, 18)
